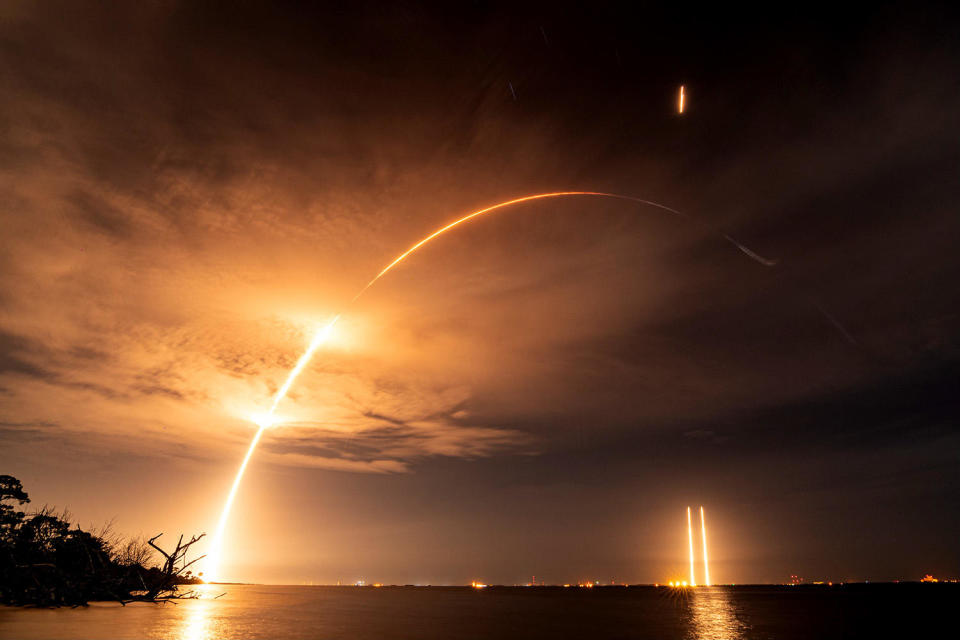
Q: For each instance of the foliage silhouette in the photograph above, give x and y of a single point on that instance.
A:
(47, 561)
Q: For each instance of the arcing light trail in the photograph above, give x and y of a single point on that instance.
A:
(265, 421)
(540, 196)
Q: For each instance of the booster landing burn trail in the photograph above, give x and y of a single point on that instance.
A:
(265, 421)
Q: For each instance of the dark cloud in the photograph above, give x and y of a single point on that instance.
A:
(14, 350)
(101, 215)
(904, 407)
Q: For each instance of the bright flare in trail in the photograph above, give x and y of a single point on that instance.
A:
(703, 537)
(318, 340)
(263, 422)
(680, 103)
(693, 579)
(267, 420)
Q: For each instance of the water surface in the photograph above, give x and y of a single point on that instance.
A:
(714, 613)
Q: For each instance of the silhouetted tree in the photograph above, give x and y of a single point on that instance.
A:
(135, 551)
(46, 561)
(10, 490)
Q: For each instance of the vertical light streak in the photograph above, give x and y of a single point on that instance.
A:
(213, 558)
(680, 103)
(703, 537)
(693, 579)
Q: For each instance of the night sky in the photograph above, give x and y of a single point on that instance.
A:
(187, 190)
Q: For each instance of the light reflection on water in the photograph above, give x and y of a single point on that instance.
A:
(197, 623)
(712, 615)
(256, 612)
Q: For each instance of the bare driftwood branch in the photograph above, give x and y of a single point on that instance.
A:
(163, 588)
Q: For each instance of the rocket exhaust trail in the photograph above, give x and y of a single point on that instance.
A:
(836, 324)
(318, 340)
(213, 558)
(703, 537)
(693, 579)
(265, 422)
(540, 196)
(764, 261)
